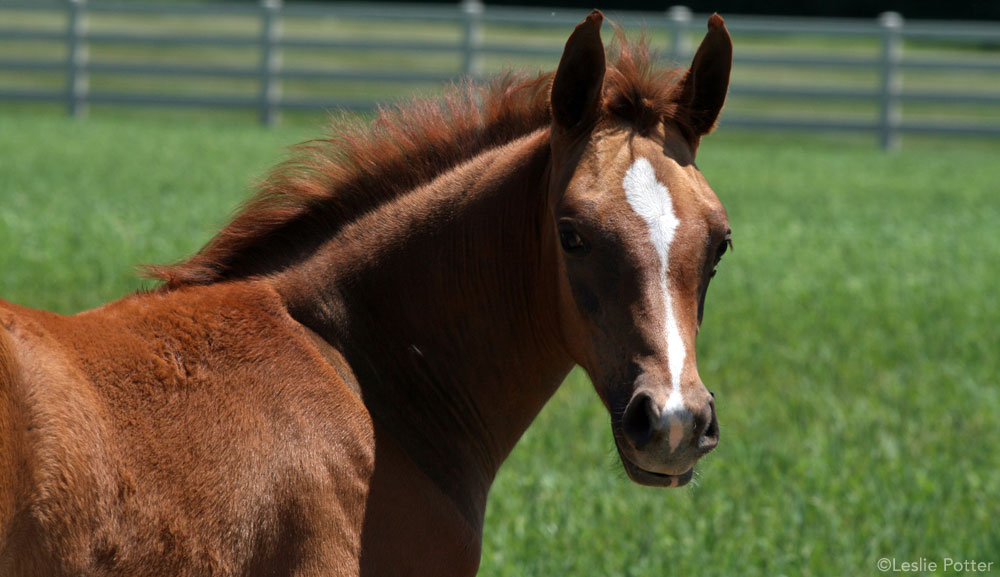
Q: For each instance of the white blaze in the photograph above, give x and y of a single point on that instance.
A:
(651, 200)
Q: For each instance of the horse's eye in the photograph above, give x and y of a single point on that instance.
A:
(570, 239)
(726, 244)
(721, 250)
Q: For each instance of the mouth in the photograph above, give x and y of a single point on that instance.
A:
(652, 478)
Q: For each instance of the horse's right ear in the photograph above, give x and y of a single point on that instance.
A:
(704, 86)
(576, 90)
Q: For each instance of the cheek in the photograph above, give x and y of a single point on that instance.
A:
(586, 299)
(596, 285)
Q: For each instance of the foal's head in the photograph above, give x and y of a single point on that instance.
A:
(641, 233)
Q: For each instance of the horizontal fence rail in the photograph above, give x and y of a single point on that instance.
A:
(267, 38)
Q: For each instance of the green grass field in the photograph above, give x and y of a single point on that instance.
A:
(850, 339)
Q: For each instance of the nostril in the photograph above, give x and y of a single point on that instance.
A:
(702, 420)
(637, 422)
(710, 438)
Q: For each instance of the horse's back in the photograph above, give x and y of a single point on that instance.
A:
(175, 433)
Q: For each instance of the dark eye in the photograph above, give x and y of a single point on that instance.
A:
(570, 239)
(727, 243)
(721, 250)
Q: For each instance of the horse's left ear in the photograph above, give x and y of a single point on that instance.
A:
(704, 86)
(576, 90)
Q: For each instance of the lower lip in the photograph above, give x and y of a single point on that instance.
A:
(669, 481)
(662, 480)
(680, 480)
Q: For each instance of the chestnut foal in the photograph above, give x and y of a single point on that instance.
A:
(330, 385)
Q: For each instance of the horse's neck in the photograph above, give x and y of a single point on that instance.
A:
(444, 302)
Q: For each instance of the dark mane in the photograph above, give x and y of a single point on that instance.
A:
(358, 167)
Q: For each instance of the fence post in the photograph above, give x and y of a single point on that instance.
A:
(270, 62)
(77, 83)
(680, 19)
(892, 53)
(472, 37)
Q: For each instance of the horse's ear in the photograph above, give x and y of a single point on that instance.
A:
(704, 86)
(576, 90)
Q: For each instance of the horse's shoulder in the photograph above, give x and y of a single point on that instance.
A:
(63, 478)
(109, 402)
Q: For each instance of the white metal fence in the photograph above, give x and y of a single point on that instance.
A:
(678, 28)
